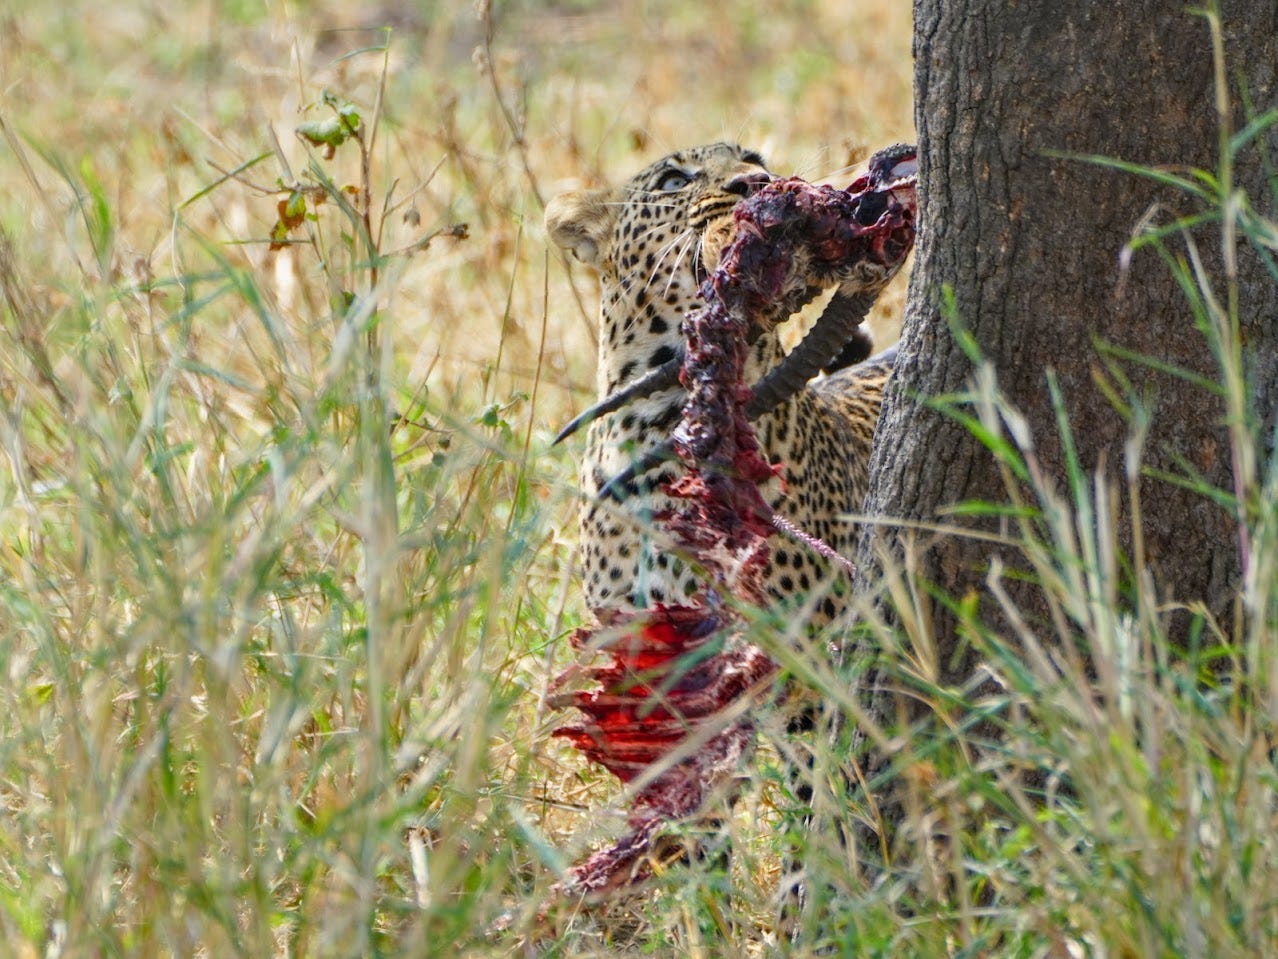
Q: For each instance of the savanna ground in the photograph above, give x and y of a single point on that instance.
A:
(286, 560)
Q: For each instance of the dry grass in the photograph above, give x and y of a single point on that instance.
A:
(286, 561)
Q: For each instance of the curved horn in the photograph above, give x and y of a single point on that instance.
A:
(615, 488)
(893, 168)
(831, 325)
(835, 328)
(837, 325)
(663, 377)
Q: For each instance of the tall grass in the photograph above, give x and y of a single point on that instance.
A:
(1099, 788)
(286, 561)
(271, 602)
(264, 611)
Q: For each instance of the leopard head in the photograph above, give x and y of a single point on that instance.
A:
(652, 241)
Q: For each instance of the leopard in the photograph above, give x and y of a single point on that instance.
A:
(652, 241)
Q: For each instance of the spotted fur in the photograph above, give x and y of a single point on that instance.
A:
(651, 240)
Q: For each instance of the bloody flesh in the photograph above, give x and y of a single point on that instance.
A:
(669, 705)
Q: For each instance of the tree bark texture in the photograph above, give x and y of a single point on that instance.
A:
(1030, 244)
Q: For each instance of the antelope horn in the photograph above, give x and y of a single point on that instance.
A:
(663, 377)
(616, 488)
(836, 326)
(833, 330)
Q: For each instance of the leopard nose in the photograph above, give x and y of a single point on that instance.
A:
(748, 184)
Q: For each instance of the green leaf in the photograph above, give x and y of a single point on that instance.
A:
(328, 134)
(294, 209)
(983, 508)
(97, 213)
(1253, 129)
(279, 236)
(1157, 174)
(347, 112)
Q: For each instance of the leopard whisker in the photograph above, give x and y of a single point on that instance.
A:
(655, 206)
(661, 253)
(674, 243)
(674, 271)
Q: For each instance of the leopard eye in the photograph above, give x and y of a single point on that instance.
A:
(673, 181)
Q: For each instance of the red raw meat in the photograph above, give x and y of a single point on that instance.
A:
(661, 711)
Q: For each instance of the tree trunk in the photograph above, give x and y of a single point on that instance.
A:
(1030, 242)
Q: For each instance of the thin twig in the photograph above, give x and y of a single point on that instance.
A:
(516, 129)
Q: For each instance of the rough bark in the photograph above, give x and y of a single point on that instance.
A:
(1029, 242)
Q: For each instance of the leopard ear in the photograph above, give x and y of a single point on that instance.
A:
(581, 221)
